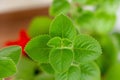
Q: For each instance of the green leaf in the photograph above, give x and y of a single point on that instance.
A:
(86, 49)
(62, 27)
(57, 42)
(66, 43)
(59, 6)
(73, 73)
(12, 52)
(61, 59)
(7, 67)
(46, 67)
(39, 25)
(54, 42)
(37, 48)
(104, 23)
(90, 71)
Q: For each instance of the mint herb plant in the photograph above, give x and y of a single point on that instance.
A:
(96, 18)
(64, 53)
(9, 57)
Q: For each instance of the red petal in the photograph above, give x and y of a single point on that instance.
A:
(22, 41)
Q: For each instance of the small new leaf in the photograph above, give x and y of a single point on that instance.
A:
(54, 42)
(86, 49)
(67, 43)
(38, 50)
(57, 42)
(7, 67)
(62, 27)
(61, 59)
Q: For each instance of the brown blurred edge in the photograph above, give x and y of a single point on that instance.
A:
(23, 14)
(12, 22)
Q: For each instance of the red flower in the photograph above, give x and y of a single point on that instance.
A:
(23, 39)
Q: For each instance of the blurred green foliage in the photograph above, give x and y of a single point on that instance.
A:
(26, 69)
(114, 72)
(30, 70)
(39, 25)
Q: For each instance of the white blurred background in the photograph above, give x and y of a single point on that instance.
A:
(118, 19)
(13, 5)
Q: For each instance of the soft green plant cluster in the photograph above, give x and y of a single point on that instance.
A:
(100, 18)
(64, 53)
(96, 18)
(9, 57)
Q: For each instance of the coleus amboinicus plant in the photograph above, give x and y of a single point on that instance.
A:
(97, 18)
(64, 53)
(9, 57)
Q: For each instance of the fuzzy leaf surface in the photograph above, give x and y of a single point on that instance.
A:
(61, 59)
(62, 27)
(38, 50)
(86, 49)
